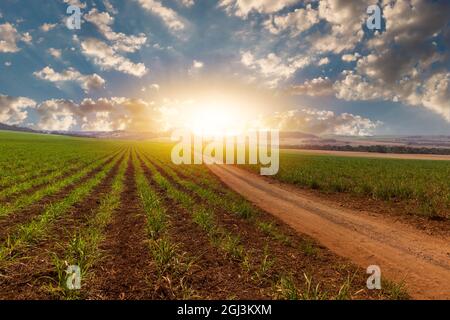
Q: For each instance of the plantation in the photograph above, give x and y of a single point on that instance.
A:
(421, 186)
(140, 227)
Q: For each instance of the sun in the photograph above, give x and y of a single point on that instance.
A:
(215, 117)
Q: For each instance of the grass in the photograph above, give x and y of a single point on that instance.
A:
(265, 266)
(83, 248)
(423, 184)
(32, 231)
(70, 167)
(309, 248)
(26, 199)
(269, 229)
(394, 290)
(25, 156)
(173, 267)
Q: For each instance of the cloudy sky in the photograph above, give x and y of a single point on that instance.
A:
(149, 65)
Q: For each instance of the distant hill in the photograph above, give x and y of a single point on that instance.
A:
(8, 127)
(118, 134)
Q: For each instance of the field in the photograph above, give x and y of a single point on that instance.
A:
(417, 187)
(139, 227)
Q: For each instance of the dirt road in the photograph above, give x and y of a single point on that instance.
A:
(401, 251)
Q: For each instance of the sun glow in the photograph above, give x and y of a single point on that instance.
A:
(214, 119)
(215, 108)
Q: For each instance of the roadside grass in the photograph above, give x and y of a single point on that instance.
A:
(422, 185)
(286, 289)
(34, 230)
(394, 290)
(266, 265)
(269, 229)
(309, 248)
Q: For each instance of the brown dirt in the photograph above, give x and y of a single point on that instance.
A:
(325, 267)
(11, 221)
(26, 276)
(125, 272)
(402, 252)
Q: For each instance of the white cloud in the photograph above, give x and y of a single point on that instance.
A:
(105, 56)
(296, 22)
(197, 64)
(196, 67)
(13, 109)
(187, 3)
(350, 57)
(8, 64)
(26, 37)
(321, 122)
(46, 27)
(109, 7)
(153, 87)
(345, 20)
(76, 3)
(9, 36)
(355, 87)
(436, 95)
(316, 87)
(86, 82)
(169, 16)
(121, 42)
(242, 8)
(104, 114)
(56, 53)
(274, 68)
(403, 63)
(323, 61)
(56, 115)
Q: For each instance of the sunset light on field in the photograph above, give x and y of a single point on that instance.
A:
(215, 150)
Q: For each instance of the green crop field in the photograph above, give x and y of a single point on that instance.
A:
(139, 227)
(422, 184)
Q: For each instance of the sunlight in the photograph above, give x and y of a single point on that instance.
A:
(215, 117)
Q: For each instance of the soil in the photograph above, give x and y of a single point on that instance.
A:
(27, 276)
(125, 271)
(214, 275)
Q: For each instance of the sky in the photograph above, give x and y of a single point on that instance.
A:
(149, 65)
